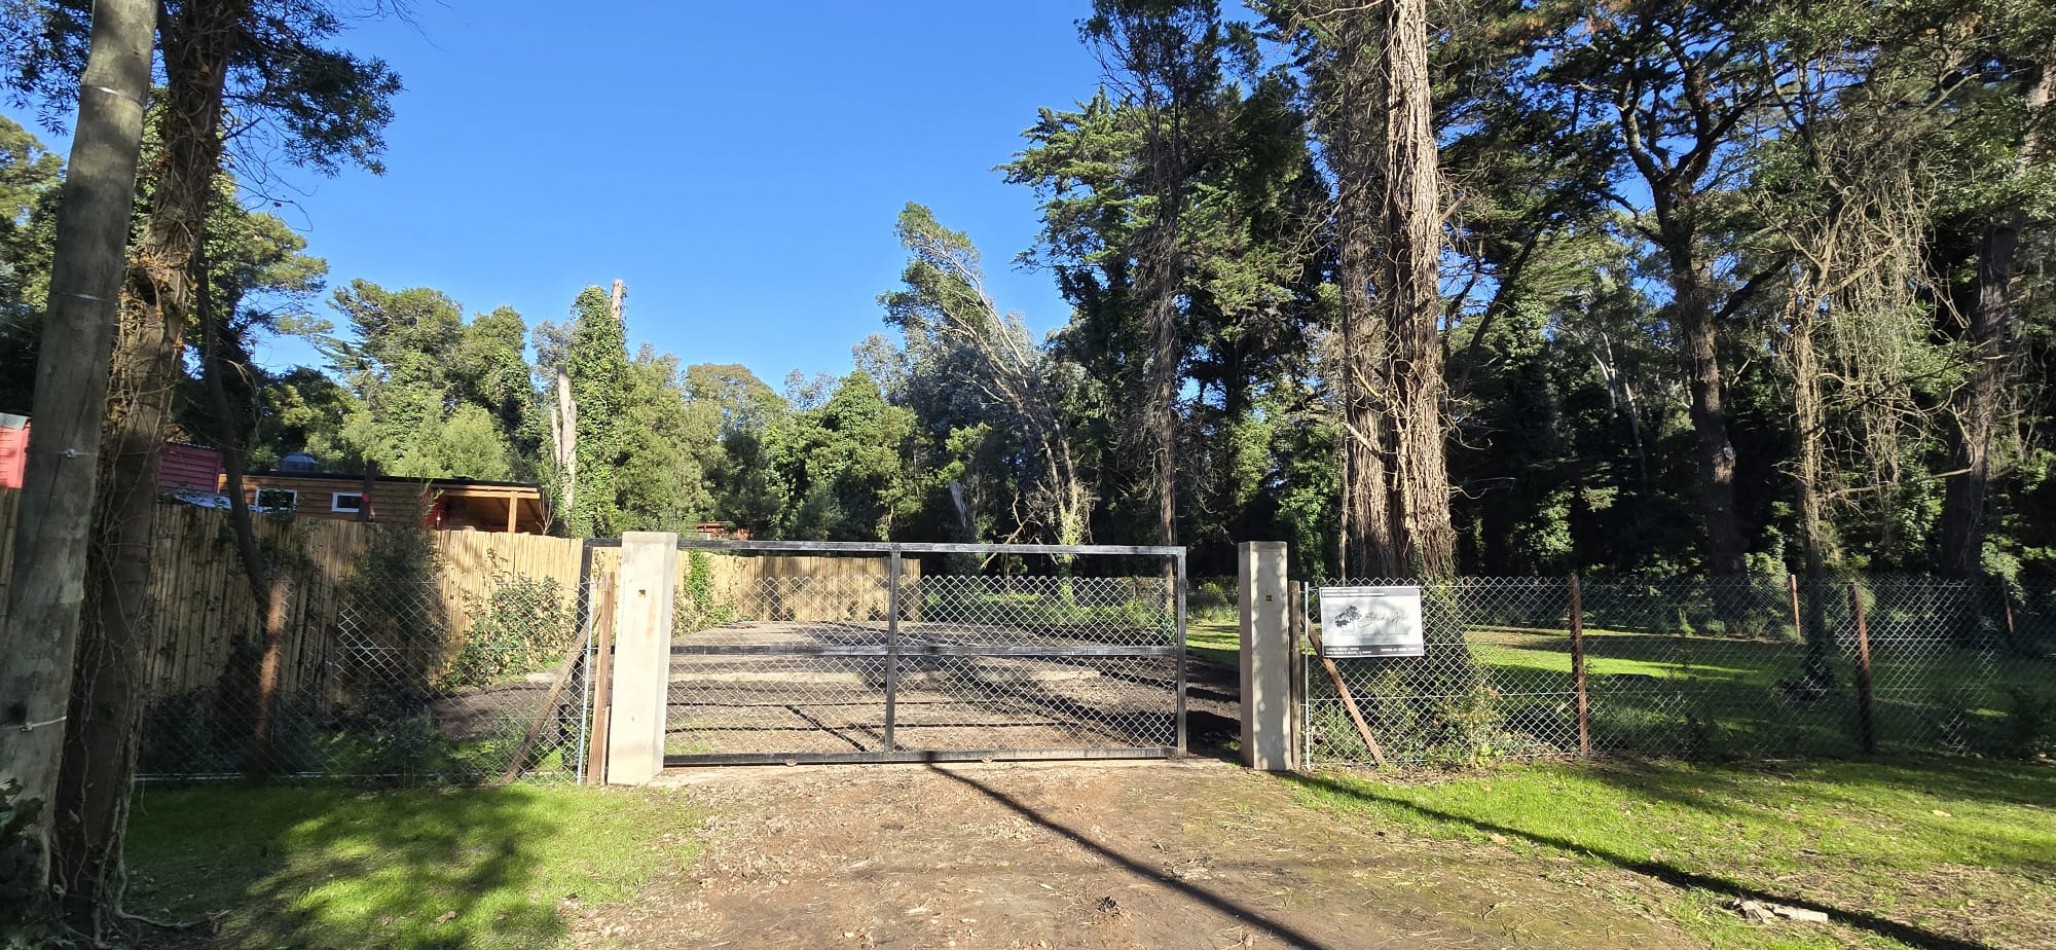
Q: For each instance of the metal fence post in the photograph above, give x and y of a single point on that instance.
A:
(1296, 743)
(1179, 643)
(1578, 668)
(1865, 710)
(892, 646)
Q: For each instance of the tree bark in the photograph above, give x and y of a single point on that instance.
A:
(1818, 546)
(1963, 501)
(267, 588)
(564, 436)
(1692, 307)
(40, 638)
(1366, 503)
(118, 634)
(1425, 540)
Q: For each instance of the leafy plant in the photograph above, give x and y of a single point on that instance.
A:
(521, 624)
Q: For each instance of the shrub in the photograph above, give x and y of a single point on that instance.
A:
(520, 625)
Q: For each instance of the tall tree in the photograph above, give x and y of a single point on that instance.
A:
(1671, 84)
(945, 297)
(2016, 53)
(51, 541)
(1412, 296)
(1165, 56)
(290, 93)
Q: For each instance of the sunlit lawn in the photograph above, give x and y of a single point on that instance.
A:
(1904, 853)
(327, 866)
(1215, 642)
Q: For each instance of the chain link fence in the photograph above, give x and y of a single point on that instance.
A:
(804, 656)
(1696, 667)
(389, 677)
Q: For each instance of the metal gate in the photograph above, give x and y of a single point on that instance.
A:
(860, 652)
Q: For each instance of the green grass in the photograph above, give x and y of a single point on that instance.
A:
(1901, 853)
(327, 866)
(1216, 642)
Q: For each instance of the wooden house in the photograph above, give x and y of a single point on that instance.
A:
(450, 504)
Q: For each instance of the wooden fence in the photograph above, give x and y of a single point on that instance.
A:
(205, 611)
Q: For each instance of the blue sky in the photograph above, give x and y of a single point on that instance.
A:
(739, 165)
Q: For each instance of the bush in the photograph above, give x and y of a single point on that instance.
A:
(522, 624)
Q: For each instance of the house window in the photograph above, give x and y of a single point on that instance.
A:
(347, 501)
(278, 499)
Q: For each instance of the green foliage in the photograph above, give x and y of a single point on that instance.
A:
(29, 176)
(699, 607)
(846, 466)
(22, 923)
(430, 396)
(521, 624)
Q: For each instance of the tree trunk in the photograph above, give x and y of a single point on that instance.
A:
(1366, 503)
(1426, 542)
(564, 435)
(267, 588)
(1160, 415)
(1963, 501)
(1963, 497)
(1692, 306)
(40, 637)
(117, 637)
(1818, 547)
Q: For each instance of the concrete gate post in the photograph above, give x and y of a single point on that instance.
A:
(1266, 656)
(642, 656)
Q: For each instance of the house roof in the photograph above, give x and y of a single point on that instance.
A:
(359, 479)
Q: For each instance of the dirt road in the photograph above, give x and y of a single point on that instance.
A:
(1191, 854)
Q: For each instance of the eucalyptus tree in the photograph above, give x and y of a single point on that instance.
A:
(945, 311)
(53, 583)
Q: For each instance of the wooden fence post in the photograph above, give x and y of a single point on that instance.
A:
(1798, 622)
(1865, 710)
(1578, 668)
(602, 674)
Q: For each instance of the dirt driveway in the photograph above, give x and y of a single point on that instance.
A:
(1188, 854)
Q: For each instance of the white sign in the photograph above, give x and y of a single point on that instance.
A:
(1371, 621)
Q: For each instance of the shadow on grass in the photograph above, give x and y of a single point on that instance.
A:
(323, 866)
(1669, 874)
(1224, 904)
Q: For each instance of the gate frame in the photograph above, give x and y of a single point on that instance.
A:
(895, 552)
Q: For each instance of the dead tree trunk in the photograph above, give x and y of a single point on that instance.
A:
(117, 637)
(1426, 542)
(564, 443)
(40, 638)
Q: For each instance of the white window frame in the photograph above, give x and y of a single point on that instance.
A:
(257, 498)
(335, 502)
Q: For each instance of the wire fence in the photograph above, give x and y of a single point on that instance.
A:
(393, 683)
(799, 656)
(1516, 668)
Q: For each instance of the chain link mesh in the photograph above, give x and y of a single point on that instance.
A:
(1697, 667)
(815, 664)
(388, 679)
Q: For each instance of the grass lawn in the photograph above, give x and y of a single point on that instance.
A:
(1921, 853)
(327, 866)
(1215, 642)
